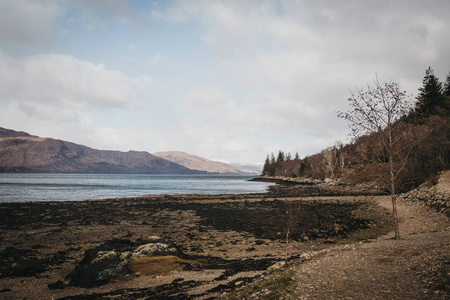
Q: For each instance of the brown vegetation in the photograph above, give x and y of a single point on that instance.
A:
(422, 141)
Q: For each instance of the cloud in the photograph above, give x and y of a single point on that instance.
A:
(24, 23)
(64, 81)
(295, 61)
(244, 78)
(358, 36)
(210, 101)
(157, 58)
(68, 98)
(222, 123)
(28, 24)
(96, 15)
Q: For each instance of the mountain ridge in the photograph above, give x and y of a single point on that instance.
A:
(26, 153)
(22, 152)
(195, 162)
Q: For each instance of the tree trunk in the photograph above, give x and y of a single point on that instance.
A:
(392, 184)
(395, 216)
(287, 244)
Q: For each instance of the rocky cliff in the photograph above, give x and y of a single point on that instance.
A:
(21, 152)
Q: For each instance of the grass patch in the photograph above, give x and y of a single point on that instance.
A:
(276, 287)
(159, 265)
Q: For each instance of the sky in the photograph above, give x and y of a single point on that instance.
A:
(226, 80)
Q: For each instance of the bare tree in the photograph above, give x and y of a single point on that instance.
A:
(329, 156)
(333, 160)
(293, 211)
(378, 112)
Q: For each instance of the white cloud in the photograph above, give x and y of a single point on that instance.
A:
(47, 120)
(358, 37)
(27, 23)
(210, 102)
(63, 97)
(268, 75)
(157, 58)
(219, 124)
(64, 81)
(304, 57)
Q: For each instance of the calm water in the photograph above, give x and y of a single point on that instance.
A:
(65, 187)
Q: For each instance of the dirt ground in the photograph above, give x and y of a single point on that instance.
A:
(226, 246)
(415, 267)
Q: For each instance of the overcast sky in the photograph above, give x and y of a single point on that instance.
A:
(226, 80)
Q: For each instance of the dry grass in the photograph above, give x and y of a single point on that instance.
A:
(159, 265)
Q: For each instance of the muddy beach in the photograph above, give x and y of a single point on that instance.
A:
(171, 247)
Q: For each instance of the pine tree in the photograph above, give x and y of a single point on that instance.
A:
(272, 159)
(278, 162)
(297, 156)
(272, 168)
(280, 157)
(266, 167)
(430, 96)
(288, 157)
(446, 91)
(445, 111)
(303, 166)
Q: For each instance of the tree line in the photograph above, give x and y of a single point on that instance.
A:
(422, 136)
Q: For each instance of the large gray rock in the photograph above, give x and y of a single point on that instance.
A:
(110, 259)
(155, 249)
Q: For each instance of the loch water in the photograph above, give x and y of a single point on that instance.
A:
(20, 187)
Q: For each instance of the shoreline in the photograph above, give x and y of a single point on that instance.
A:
(229, 238)
(220, 243)
(76, 187)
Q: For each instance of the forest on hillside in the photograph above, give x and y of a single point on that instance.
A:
(423, 143)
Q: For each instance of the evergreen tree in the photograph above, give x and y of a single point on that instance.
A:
(288, 157)
(266, 167)
(297, 156)
(280, 157)
(272, 159)
(445, 111)
(273, 165)
(430, 96)
(446, 91)
(303, 166)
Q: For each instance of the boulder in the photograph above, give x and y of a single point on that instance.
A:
(105, 266)
(276, 266)
(111, 259)
(155, 249)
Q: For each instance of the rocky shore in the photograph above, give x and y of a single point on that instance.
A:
(298, 187)
(436, 196)
(183, 246)
(188, 246)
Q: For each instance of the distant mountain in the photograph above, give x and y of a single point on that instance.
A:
(21, 152)
(247, 168)
(198, 163)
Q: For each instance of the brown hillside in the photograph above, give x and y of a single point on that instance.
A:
(197, 163)
(21, 152)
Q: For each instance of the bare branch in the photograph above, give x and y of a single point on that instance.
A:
(378, 112)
